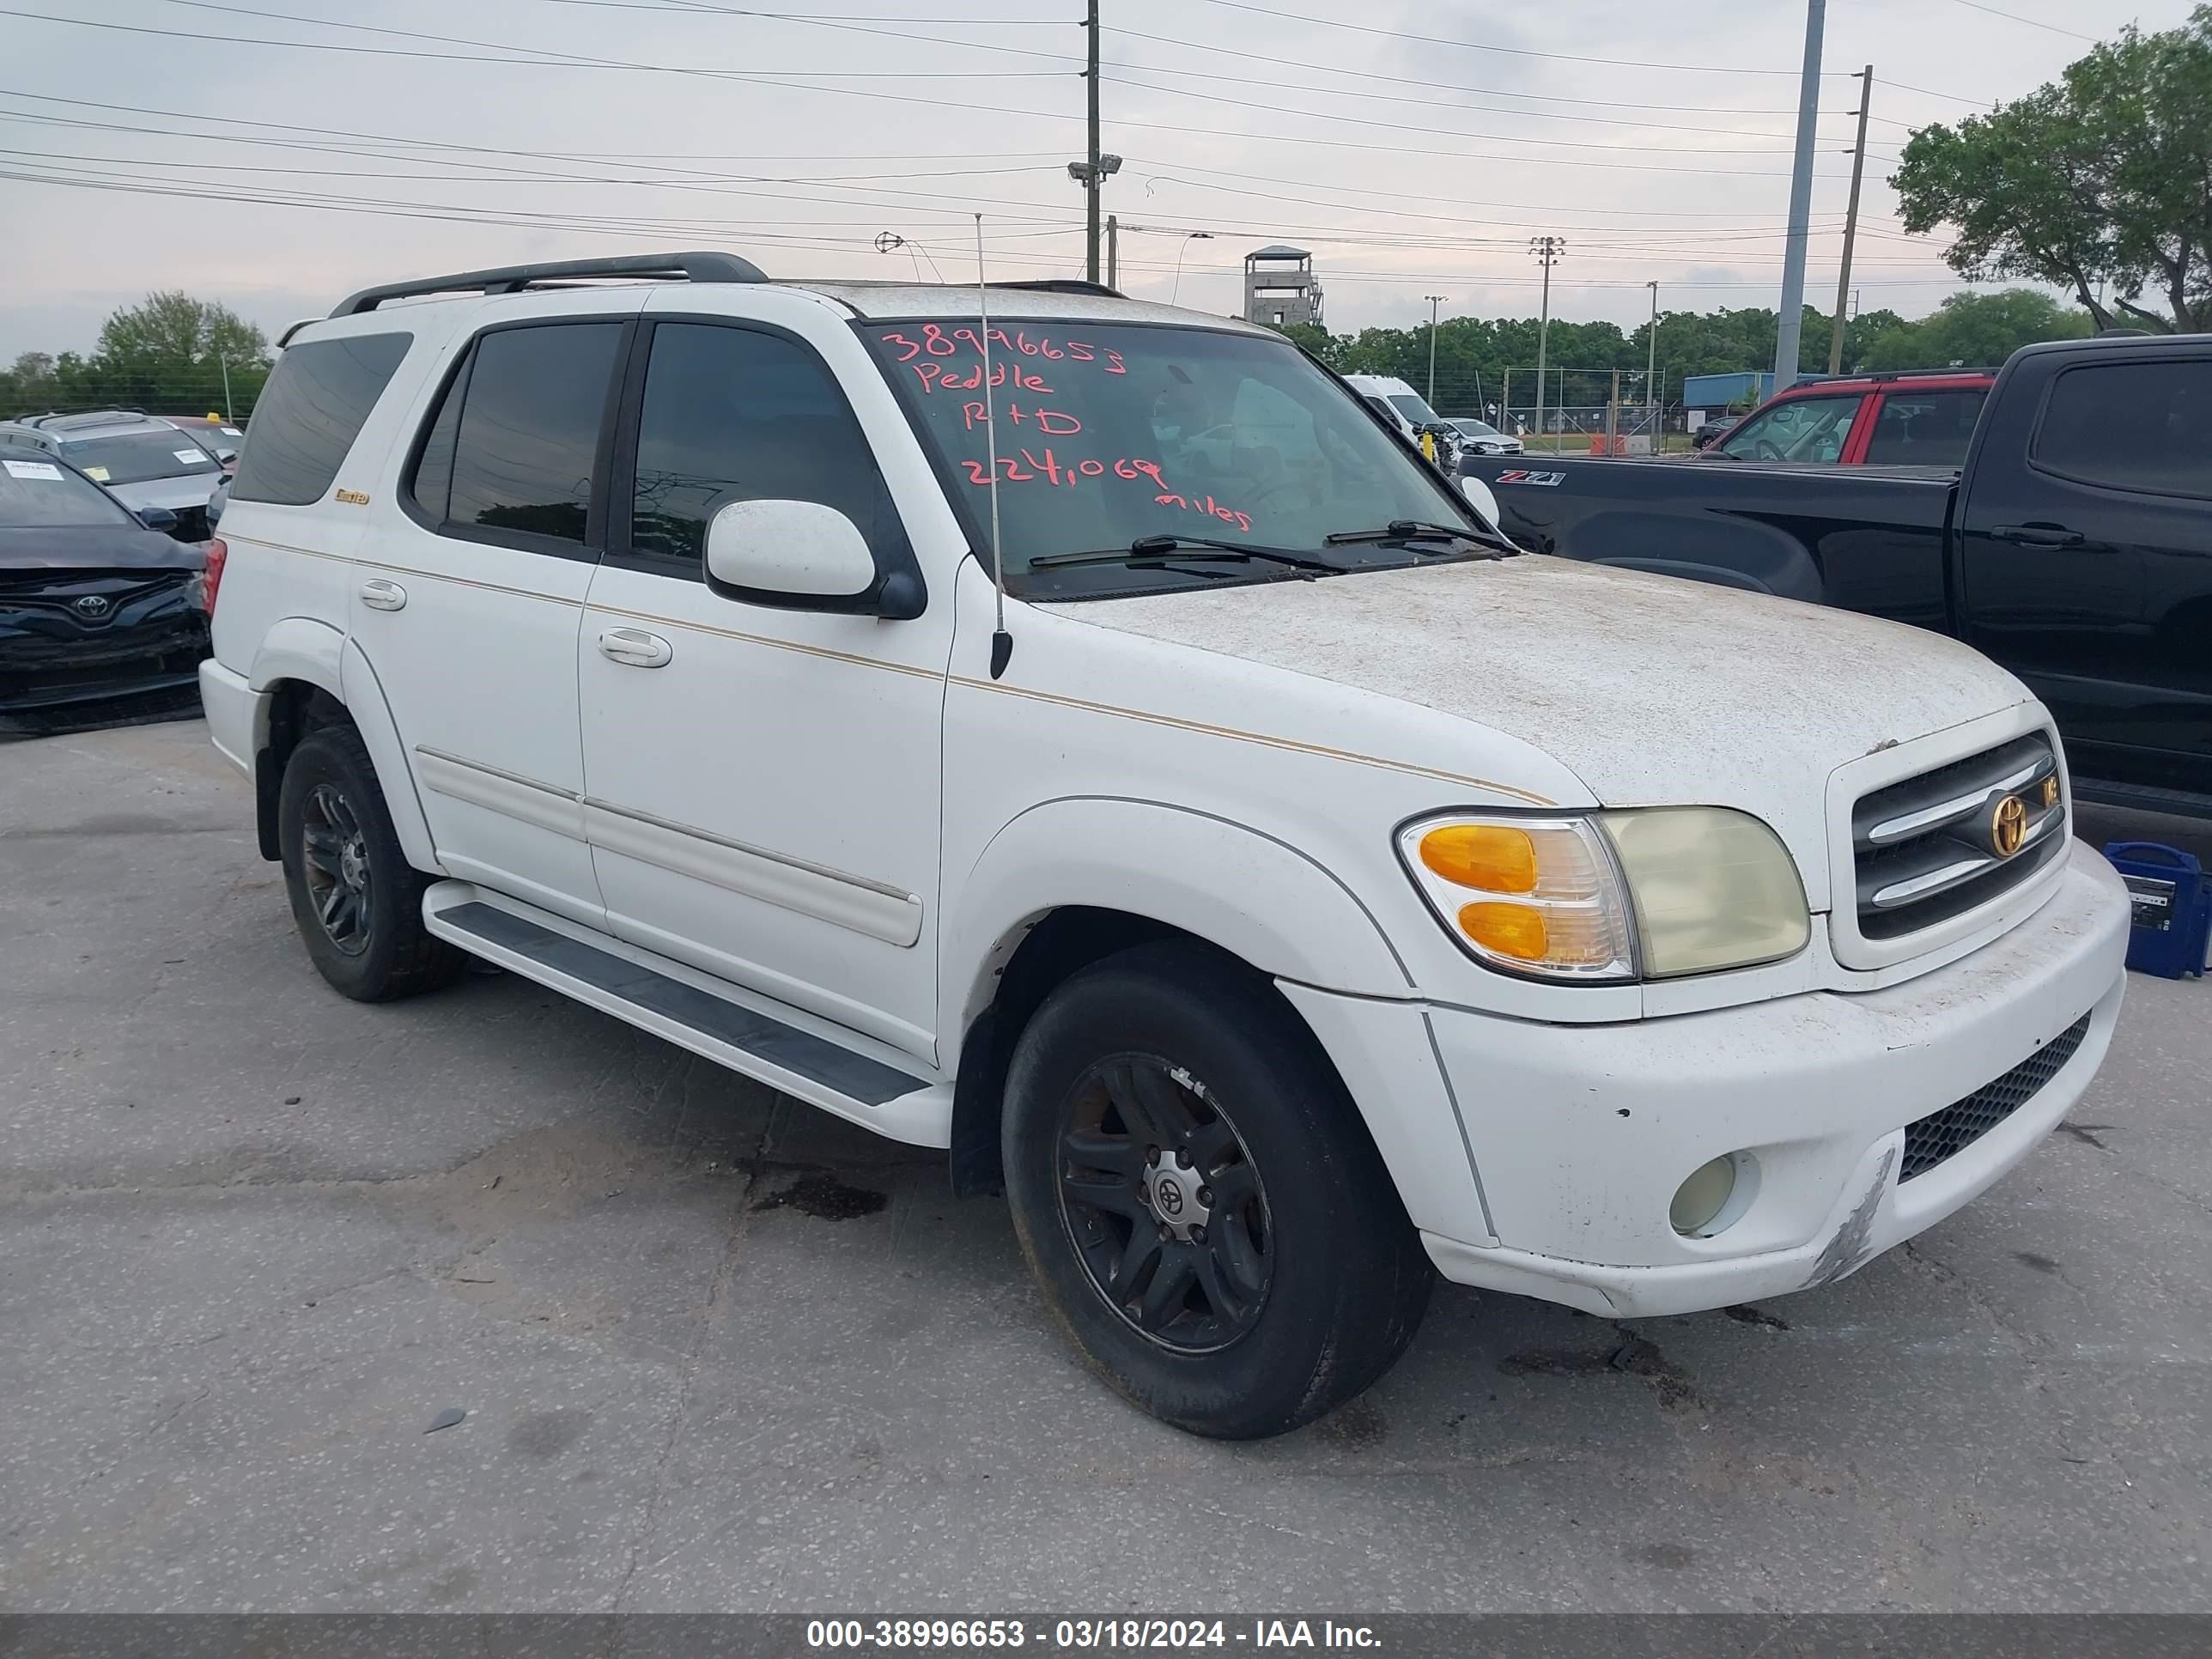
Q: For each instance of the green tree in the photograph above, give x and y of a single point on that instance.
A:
(1976, 330)
(169, 355)
(27, 386)
(2102, 178)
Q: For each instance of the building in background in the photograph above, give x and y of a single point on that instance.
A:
(1280, 287)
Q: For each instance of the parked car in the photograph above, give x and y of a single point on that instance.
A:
(1407, 410)
(1202, 826)
(1480, 438)
(1708, 432)
(2074, 546)
(99, 614)
(142, 461)
(1914, 419)
(218, 437)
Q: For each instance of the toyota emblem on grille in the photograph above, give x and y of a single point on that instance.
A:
(2008, 826)
(93, 606)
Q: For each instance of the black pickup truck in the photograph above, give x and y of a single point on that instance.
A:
(2074, 546)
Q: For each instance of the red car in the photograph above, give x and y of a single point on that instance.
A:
(1919, 418)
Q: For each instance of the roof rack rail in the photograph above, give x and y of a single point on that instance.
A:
(1915, 374)
(1064, 285)
(706, 267)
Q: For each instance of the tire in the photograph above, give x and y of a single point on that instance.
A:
(1274, 1277)
(342, 858)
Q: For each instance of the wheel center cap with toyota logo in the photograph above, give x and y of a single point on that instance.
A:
(1177, 1197)
(92, 607)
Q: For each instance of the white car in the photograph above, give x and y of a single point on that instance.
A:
(1281, 886)
(1480, 438)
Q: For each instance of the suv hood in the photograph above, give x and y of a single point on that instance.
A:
(1652, 691)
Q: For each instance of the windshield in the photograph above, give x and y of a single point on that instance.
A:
(1110, 432)
(131, 457)
(1803, 429)
(42, 494)
(1411, 405)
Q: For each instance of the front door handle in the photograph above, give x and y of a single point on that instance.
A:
(2039, 535)
(637, 647)
(380, 595)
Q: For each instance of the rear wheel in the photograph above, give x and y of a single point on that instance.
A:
(1198, 1198)
(356, 901)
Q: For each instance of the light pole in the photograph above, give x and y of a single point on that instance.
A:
(1651, 372)
(1801, 203)
(1434, 300)
(1188, 238)
(1092, 174)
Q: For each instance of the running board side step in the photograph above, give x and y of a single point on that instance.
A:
(852, 1077)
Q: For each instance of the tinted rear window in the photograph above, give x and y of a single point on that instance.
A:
(2144, 426)
(40, 494)
(310, 412)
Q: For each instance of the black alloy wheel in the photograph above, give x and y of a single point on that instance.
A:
(1164, 1205)
(336, 855)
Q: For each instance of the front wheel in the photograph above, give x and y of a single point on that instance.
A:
(356, 901)
(1198, 1198)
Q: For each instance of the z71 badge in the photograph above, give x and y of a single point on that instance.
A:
(1521, 476)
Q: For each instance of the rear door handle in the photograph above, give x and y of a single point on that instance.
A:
(2039, 535)
(380, 595)
(637, 647)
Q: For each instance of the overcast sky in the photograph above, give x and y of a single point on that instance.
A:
(1409, 166)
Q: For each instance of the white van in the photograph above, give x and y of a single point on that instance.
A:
(1081, 741)
(1409, 412)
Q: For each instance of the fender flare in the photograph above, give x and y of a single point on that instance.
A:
(1245, 891)
(363, 696)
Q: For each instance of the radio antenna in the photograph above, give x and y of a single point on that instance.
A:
(1002, 642)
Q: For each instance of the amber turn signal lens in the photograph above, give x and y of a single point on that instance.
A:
(1495, 858)
(1511, 930)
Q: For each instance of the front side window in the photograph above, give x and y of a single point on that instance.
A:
(515, 443)
(732, 415)
(315, 404)
(129, 458)
(1111, 434)
(1924, 428)
(38, 495)
(1803, 429)
(2144, 426)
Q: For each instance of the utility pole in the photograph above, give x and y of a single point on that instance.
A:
(1434, 300)
(1792, 319)
(1092, 182)
(225, 361)
(1652, 370)
(1850, 221)
(1113, 250)
(1549, 250)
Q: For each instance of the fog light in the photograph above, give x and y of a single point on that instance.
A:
(1704, 1196)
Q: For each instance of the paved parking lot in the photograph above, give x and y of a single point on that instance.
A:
(717, 1351)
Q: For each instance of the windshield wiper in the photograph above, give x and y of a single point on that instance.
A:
(1161, 547)
(1403, 530)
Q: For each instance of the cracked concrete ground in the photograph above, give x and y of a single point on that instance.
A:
(254, 1238)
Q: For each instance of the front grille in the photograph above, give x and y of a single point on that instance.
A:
(1959, 1125)
(1932, 847)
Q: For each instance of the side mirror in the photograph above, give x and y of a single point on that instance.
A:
(800, 555)
(1479, 498)
(157, 517)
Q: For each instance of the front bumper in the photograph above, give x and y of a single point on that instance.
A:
(1581, 1135)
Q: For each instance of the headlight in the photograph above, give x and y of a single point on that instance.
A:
(1612, 897)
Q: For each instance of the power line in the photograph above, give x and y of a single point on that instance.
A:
(1471, 46)
(2032, 22)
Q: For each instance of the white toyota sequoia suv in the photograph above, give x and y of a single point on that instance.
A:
(1077, 734)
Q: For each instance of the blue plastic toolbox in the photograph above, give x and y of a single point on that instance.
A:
(2172, 899)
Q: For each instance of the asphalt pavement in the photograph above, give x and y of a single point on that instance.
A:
(716, 1351)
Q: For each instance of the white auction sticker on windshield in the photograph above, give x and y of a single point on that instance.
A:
(196, 457)
(45, 470)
